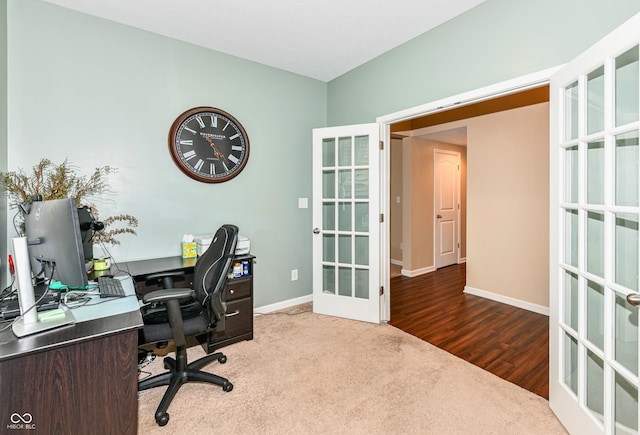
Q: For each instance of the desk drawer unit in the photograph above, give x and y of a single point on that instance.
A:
(239, 317)
(238, 288)
(238, 323)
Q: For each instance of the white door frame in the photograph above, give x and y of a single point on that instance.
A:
(507, 87)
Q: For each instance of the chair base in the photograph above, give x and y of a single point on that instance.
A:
(176, 377)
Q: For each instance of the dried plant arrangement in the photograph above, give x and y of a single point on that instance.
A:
(56, 181)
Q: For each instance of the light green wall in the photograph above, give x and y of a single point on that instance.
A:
(3, 134)
(496, 41)
(101, 93)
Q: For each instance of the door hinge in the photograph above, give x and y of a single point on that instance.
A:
(381, 290)
(381, 217)
(381, 145)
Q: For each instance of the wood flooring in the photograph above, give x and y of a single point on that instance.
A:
(509, 342)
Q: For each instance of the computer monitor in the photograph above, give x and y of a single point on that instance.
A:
(54, 242)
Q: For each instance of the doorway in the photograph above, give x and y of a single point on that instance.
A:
(508, 196)
(499, 163)
(414, 237)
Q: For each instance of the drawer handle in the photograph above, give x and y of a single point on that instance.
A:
(235, 313)
(232, 291)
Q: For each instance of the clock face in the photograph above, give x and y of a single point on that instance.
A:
(208, 144)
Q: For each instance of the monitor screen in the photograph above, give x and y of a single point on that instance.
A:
(54, 242)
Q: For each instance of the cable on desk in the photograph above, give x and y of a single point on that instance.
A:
(114, 262)
(8, 291)
(35, 305)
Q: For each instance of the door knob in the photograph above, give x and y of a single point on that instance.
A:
(634, 299)
(316, 231)
(439, 216)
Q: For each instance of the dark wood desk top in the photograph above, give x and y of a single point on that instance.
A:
(121, 315)
(155, 265)
(141, 268)
(13, 347)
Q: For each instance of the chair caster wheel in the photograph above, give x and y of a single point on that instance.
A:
(228, 387)
(163, 419)
(222, 359)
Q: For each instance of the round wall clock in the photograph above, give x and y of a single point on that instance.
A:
(208, 144)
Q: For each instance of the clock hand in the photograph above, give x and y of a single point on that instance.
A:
(216, 152)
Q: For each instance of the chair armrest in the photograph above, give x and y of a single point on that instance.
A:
(165, 295)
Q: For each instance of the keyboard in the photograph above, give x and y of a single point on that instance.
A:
(110, 287)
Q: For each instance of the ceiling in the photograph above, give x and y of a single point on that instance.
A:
(321, 39)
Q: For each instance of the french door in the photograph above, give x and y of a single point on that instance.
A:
(595, 209)
(346, 221)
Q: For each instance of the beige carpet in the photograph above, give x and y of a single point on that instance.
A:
(312, 374)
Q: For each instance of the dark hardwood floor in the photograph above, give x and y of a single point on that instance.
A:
(509, 342)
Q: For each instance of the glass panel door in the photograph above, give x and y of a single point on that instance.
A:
(595, 213)
(346, 246)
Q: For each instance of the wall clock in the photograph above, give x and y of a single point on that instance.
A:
(208, 144)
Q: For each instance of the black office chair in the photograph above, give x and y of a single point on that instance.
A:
(189, 312)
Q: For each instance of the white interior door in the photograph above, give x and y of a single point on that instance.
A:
(447, 206)
(595, 205)
(346, 221)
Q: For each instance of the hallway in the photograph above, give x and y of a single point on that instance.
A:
(509, 342)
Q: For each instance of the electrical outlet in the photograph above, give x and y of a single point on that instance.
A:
(294, 274)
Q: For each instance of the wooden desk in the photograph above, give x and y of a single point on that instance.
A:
(77, 379)
(238, 295)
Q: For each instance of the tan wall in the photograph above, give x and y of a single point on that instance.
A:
(508, 203)
(507, 239)
(395, 208)
(418, 212)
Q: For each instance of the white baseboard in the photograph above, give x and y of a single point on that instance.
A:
(282, 305)
(507, 300)
(422, 271)
(396, 262)
(417, 272)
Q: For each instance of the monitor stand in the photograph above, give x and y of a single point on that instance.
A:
(31, 321)
(46, 320)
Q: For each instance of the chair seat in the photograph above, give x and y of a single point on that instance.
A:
(157, 313)
(154, 332)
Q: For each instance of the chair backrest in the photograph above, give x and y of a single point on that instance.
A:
(210, 272)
